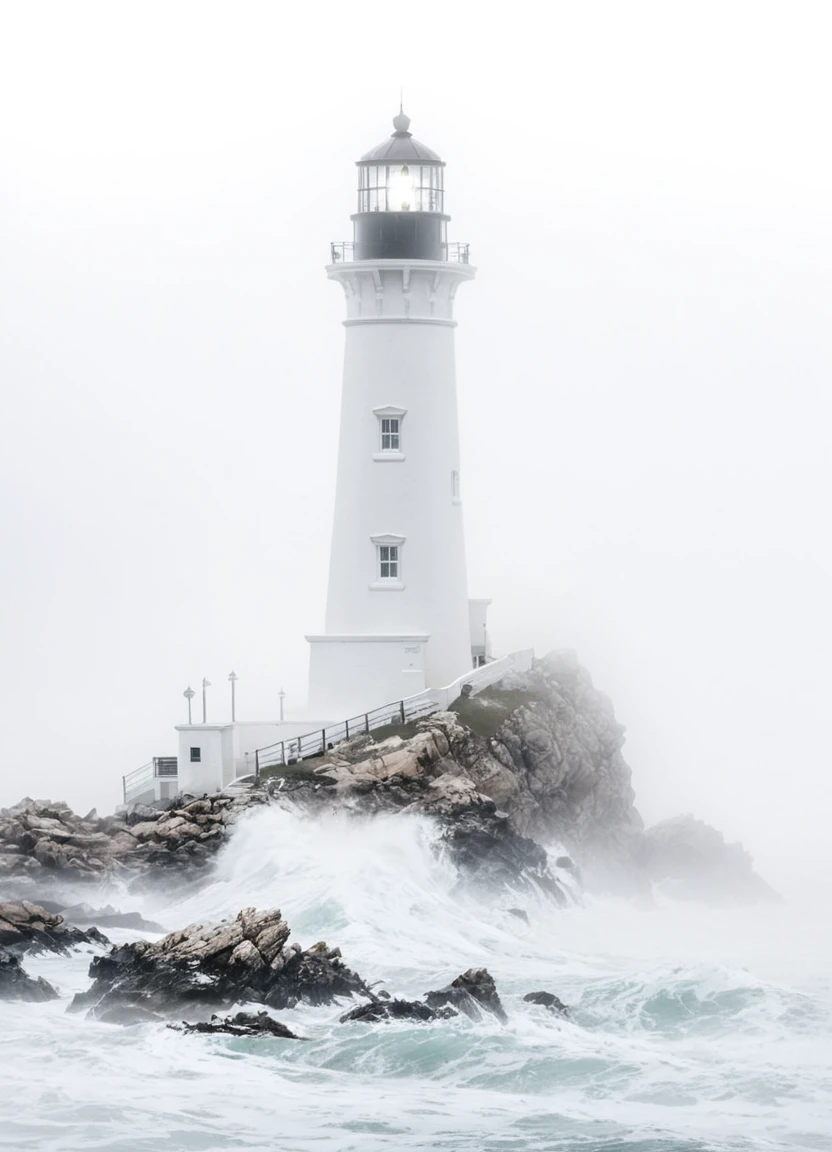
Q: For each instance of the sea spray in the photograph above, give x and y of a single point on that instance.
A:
(691, 1028)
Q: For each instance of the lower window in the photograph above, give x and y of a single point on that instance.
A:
(388, 562)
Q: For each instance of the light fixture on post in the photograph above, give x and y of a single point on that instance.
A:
(233, 677)
(189, 695)
(281, 696)
(205, 684)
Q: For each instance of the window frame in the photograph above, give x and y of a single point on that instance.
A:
(195, 759)
(387, 551)
(388, 413)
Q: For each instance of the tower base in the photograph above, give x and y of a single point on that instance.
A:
(350, 674)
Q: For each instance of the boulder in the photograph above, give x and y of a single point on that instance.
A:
(242, 1024)
(396, 1010)
(547, 1000)
(214, 965)
(15, 984)
(29, 927)
(473, 993)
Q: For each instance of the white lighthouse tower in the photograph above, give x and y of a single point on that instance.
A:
(398, 618)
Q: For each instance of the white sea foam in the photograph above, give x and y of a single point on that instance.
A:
(692, 1028)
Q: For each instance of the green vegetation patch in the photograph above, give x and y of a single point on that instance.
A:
(486, 712)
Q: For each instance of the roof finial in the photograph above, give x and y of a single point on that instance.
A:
(401, 122)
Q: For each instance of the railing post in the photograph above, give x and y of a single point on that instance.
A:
(367, 723)
(283, 753)
(401, 705)
(323, 740)
(346, 729)
(257, 766)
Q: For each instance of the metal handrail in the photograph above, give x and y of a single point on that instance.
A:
(320, 740)
(136, 781)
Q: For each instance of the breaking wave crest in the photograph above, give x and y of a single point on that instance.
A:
(691, 1028)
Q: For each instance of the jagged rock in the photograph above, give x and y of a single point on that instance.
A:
(220, 964)
(520, 913)
(242, 1024)
(396, 1010)
(472, 993)
(15, 984)
(547, 1000)
(484, 847)
(694, 862)
(29, 927)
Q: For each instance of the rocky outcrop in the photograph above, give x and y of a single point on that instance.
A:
(532, 760)
(106, 917)
(15, 984)
(26, 927)
(547, 1000)
(391, 1009)
(218, 965)
(473, 994)
(242, 1024)
(692, 861)
(44, 844)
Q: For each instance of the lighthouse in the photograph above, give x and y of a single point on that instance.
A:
(398, 617)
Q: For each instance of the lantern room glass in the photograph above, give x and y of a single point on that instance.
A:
(401, 188)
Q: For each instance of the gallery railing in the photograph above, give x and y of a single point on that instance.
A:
(343, 252)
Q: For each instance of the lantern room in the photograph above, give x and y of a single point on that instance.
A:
(401, 209)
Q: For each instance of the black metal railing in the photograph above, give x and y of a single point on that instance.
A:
(320, 740)
(343, 252)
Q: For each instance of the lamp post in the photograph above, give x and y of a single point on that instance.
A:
(205, 684)
(281, 696)
(233, 677)
(189, 695)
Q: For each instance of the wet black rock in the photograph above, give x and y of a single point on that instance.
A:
(242, 1024)
(27, 927)
(547, 1000)
(490, 854)
(396, 1010)
(15, 984)
(215, 965)
(473, 993)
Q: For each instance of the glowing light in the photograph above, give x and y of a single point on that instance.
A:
(400, 192)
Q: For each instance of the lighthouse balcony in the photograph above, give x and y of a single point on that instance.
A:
(343, 252)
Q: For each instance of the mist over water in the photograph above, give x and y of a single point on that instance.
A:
(692, 1028)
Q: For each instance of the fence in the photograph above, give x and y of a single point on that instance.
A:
(318, 741)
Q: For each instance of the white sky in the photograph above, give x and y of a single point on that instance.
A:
(644, 366)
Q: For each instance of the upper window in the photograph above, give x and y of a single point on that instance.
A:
(196, 755)
(388, 562)
(390, 437)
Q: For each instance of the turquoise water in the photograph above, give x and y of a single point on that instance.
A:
(692, 1028)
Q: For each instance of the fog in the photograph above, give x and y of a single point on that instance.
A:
(643, 363)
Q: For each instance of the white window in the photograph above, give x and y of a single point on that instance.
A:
(388, 566)
(388, 562)
(390, 435)
(389, 441)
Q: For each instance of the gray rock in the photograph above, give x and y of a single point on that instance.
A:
(473, 993)
(15, 984)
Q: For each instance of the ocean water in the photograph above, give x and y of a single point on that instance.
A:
(692, 1028)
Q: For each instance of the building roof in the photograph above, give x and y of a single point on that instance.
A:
(400, 147)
